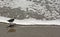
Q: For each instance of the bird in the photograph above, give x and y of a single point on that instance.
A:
(11, 22)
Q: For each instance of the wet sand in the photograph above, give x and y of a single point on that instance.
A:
(30, 31)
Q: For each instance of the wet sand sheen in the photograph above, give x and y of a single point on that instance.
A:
(31, 31)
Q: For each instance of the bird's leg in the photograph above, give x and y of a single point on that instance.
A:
(11, 25)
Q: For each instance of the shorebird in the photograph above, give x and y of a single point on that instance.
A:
(11, 22)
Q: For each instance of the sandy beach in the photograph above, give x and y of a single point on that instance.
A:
(31, 31)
